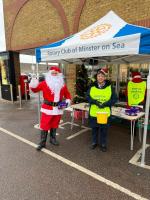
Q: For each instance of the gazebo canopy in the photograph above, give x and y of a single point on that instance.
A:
(109, 40)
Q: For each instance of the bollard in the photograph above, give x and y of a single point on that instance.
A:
(25, 85)
(11, 93)
(20, 100)
(0, 91)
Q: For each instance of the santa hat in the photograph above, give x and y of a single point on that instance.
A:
(103, 71)
(136, 75)
(55, 68)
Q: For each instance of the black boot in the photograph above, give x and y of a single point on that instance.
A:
(53, 137)
(42, 143)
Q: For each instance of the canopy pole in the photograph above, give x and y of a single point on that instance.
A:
(47, 66)
(39, 101)
(117, 80)
(92, 71)
(146, 119)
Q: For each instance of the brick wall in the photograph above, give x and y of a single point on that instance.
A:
(130, 10)
(71, 78)
(30, 23)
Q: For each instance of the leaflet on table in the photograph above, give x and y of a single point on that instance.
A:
(118, 111)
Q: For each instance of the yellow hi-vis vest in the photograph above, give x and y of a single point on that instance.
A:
(101, 95)
(136, 92)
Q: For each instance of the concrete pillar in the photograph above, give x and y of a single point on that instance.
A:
(10, 70)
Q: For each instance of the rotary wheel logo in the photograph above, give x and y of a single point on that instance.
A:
(136, 96)
(94, 32)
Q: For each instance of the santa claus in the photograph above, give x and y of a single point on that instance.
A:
(54, 91)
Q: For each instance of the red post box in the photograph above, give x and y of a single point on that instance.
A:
(24, 85)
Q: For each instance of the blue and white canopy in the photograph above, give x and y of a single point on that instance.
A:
(109, 36)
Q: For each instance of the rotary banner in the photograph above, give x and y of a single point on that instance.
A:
(108, 36)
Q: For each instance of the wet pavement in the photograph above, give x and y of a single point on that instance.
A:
(27, 174)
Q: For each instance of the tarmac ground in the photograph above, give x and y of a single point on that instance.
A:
(71, 170)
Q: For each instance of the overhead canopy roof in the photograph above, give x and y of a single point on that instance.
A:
(109, 40)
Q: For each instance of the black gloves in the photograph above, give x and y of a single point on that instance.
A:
(99, 104)
(92, 101)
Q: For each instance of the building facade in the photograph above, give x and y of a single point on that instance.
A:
(32, 23)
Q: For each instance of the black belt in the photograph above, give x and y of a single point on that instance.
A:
(50, 103)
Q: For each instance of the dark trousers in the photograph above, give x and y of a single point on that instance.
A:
(100, 133)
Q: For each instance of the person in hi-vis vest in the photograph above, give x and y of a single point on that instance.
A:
(100, 97)
(136, 90)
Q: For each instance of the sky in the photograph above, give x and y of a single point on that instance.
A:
(23, 58)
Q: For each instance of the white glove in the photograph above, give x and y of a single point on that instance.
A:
(33, 83)
(68, 101)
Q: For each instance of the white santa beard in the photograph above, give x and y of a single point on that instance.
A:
(55, 83)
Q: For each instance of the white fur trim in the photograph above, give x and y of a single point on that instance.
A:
(55, 111)
(34, 83)
(103, 71)
(137, 76)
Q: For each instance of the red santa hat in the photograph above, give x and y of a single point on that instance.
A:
(136, 77)
(55, 68)
(103, 71)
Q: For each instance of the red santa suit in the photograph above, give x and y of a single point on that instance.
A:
(54, 90)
